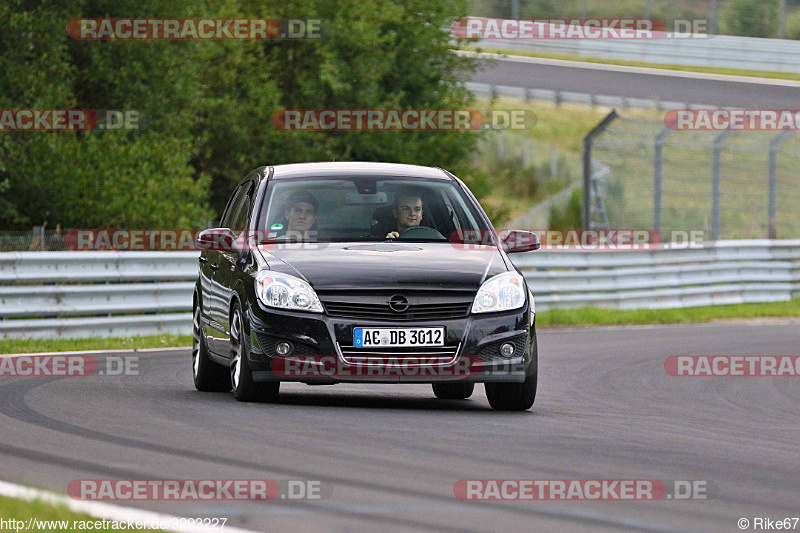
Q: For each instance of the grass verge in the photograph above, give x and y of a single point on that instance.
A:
(585, 316)
(60, 518)
(793, 76)
(69, 345)
(592, 316)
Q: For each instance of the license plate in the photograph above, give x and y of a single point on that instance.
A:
(397, 337)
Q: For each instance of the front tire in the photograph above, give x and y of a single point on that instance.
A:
(453, 391)
(241, 377)
(208, 376)
(512, 396)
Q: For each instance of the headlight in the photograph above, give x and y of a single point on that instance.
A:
(283, 291)
(503, 292)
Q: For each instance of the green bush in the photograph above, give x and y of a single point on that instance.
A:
(210, 103)
(793, 26)
(750, 18)
(569, 216)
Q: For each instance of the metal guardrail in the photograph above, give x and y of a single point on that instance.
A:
(722, 51)
(95, 294)
(117, 294)
(592, 99)
(728, 272)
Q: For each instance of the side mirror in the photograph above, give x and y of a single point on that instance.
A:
(216, 239)
(520, 241)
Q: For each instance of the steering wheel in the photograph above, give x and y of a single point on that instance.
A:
(420, 232)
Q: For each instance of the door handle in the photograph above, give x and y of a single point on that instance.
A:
(214, 266)
(202, 259)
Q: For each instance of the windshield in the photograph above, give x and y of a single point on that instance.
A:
(367, 209)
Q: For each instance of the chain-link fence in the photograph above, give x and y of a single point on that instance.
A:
(36, 239)
(523, 174)
(729, 185)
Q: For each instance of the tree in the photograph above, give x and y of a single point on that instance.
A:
(374, 54)
(98, 178)
(750, 18)
(209, 103)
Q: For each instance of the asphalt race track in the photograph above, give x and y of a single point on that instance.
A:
(391, 454)
(637, 83)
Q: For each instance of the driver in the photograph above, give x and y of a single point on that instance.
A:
(407, 211)
(300, 214)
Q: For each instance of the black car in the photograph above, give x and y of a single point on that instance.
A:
(326, 273)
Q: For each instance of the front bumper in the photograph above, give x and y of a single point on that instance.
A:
(318, 339)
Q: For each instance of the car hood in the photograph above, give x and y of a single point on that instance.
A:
(374, 265)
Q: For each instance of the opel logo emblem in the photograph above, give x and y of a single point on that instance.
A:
(398, 303)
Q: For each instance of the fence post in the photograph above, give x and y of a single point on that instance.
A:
(712, 29)
(774, 145)
(782, 19)
(587, 166)
(719, 141)
(526, 153)
(501, 152)
(658, 159)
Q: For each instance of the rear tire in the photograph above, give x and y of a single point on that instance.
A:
(241, 377)
(208, 375)
(512, 396)
(453, 391)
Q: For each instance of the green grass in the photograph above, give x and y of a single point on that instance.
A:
(69, 345)
(683, 68)
(629, 150)
(586, 316)
(514, 188)
(591, 316)
(11, 508)
(565, 125)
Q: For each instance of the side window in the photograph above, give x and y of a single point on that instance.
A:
(241, 220)
(233, 208)
(236, 215)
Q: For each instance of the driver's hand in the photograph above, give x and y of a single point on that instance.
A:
(392, 235)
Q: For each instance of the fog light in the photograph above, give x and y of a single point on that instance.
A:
(283, 348)
(507, 350)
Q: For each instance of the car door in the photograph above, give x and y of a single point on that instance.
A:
(209, 263)
(216, 297)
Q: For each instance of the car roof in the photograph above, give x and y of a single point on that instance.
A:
(356, 168)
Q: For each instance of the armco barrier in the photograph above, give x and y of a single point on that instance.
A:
(95, 294)
(720, 51)
(115, 294)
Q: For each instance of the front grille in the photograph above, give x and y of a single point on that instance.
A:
(268, 342)
(422, 305)
(414, 312)
(418, 354)
(491, 352)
